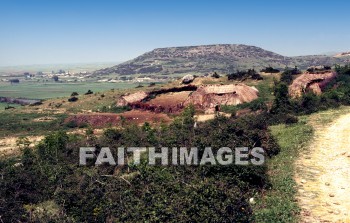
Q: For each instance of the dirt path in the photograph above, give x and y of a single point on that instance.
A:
(323, 173)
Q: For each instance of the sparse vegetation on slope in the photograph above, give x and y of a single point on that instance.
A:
(222, 58)
(107, 193)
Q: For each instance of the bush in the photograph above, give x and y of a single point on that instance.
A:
(73, 99)
(139, 86)
(335, 94)
(282, 118)
(343, 69)
(115, 109)
(36, 103)
(215, 75)
(89, 92)
(270, 70)
(149, 193)
(71, 124)
(243, 75)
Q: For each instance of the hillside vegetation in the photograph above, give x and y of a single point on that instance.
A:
(46, 184)
(223, 58)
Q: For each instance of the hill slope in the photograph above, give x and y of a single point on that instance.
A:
(208, 58)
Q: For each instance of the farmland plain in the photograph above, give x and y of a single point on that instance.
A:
(34, 90)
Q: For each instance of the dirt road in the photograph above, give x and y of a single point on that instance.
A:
(323, 173)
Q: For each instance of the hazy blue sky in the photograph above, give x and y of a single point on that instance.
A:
(42, 32)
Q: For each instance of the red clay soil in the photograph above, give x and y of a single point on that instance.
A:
(157, 108)
(164, 103)
(100, 120)
(168, 103)
(206, 97)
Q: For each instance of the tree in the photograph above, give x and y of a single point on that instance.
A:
(73, 99)
(281, 102)
(215, 75)
(270, 70)
(74, 94)
(14, 81)
(55, 78)
(89, 92)
(287, 77)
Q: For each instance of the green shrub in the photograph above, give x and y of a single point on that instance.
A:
(242, 75)
(73, 99)
(115, 109)
(270, 70)
(143, 193)
(89, 92)
(71, 124)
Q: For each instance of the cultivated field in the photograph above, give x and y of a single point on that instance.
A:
(36, 90)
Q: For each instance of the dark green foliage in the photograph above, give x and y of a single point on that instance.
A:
(115, 109)
(50, 149)
(270, 70)
(287, 75)
(285, 118)
(256, 105)
(316, 69)
(215, 75)
(55, 78)
(343, 69)
(14, 81)
(141, 193)
(9, 107)
(282, 102)
(71, 124)
(74, 94)
(73, 99)
(294, 71)
(14, 123)
(243, 75)
(335, 94)
(89, 92)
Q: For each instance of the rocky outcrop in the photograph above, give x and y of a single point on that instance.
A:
(205, 97)
(132, 98)
(187, 79)
(314, 82)
(211, 97)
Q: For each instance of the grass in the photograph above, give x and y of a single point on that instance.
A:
(4, 105)
(39, 90)
(20, 124)
(255, 105)
(278, 204)
(326, 117)
(265, 88)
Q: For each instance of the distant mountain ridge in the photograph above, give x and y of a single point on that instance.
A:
(221, 58)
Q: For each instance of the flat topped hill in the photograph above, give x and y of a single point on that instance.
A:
(203, 59)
